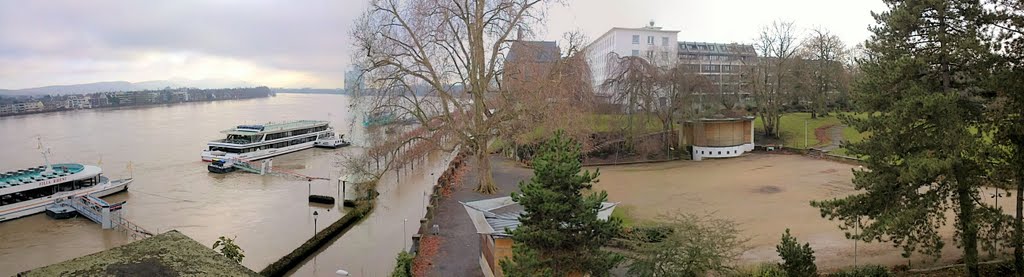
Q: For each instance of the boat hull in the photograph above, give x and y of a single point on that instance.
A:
(35, 206)
(219, 170)
(207, 156)
(332, 144)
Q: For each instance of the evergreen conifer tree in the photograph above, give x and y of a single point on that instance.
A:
(559, 232)
(925, 62)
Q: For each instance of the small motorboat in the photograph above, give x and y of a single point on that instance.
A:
(331, 142)
(61, 211)
(221, 166)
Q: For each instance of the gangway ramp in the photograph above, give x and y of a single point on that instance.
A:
(103, 213)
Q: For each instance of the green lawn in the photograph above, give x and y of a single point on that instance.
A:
(792, 129)
(615, 122)
(623, 212)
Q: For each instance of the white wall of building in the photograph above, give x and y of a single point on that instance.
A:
(644, 42)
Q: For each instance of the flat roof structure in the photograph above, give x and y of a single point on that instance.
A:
(167, 254)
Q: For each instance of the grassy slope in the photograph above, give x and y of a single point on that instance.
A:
(792, 128)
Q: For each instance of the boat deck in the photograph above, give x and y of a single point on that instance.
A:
(276, 127)
(35, 174)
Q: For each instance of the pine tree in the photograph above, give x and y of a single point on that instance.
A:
(1008, 25)
(924, 65)
(559, 232)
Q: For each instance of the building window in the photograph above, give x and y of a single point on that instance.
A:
(650, 40)
(664, 41)
(636, 39)
(664, 54)
(635, 53)
(650, 54)
(703, 47)
(693, 46)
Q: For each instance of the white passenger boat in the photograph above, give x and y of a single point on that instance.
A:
(29, 191)
(254, 142)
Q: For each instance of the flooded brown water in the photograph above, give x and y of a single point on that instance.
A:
(269, 215)
(764, 194)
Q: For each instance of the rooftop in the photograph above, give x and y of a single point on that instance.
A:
(494, 216)
(167, 254)
(533, 51)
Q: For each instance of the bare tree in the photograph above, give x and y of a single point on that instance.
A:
(438, 63)
(664, 91)
(770, 79)
(549, 92)
(823, 54)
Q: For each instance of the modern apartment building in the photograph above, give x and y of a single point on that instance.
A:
(722, 63)
(650, 42)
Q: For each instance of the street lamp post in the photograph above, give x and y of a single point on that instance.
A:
(404, 245)
(309, 187)
(805, 134)
(314, 222)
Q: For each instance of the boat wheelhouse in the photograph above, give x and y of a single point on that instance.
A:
(254, 142)
(29, 191)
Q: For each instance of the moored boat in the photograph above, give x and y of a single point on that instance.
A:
(221, 166)
(254, 142)
(29, 191)
(334, 141)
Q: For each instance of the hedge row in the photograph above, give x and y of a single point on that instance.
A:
(293, 259)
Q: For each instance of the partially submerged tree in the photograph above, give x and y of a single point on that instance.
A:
(559, 231)
(438, 63)
(925, 155)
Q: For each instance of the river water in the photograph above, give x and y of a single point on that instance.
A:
(268, 215)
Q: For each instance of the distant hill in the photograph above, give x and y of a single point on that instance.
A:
(126, 86)
(309, 90)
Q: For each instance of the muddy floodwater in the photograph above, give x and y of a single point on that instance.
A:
(268, 215)
(764, 194)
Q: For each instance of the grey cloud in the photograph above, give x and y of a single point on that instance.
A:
(290, 35)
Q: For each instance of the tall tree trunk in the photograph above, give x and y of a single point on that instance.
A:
(484, 177)
(1018, 225)
(968, 227)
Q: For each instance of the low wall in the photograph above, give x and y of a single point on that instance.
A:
(286, 263)
(701, 152)
(447, 180)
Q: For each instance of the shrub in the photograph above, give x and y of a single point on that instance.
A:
(228, 248)
(403, 265)
(761, 270)
(797, 260)
(864, 271)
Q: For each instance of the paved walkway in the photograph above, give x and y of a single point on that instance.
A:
(835, 137)
(460, 245)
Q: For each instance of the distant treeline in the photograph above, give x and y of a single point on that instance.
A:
(12, 105)
(309, 90)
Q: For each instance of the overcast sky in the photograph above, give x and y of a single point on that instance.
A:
(306, 43)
